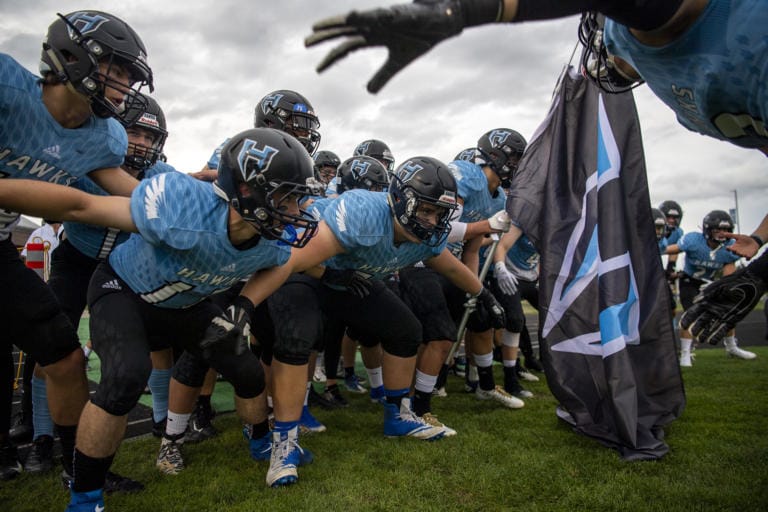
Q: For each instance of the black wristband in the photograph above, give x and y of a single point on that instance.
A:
(245, 303)
(757, 239)
(480, 12)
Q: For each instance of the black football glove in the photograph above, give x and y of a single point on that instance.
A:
(407, 31)
(485, 303)
(230, 331)
(721, 305)
(351, 280)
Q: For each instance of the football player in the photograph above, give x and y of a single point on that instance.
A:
(59, 127)
(197, 239)
(706, 254)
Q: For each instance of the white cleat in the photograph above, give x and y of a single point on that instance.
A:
(733, 350)
(498, 394)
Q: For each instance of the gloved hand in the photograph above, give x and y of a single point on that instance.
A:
(485, 303)
(229, 331)
(671, 272)
(350, 280)
(506, 280)
(500, 221)
(407, 31)
(721, 305)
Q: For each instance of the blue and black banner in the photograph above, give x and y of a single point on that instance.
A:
(607, 339)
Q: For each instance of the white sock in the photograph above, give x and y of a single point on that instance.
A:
(425, 383)
(483, 360)
(375, 377)
(177, 423)
(685, 344)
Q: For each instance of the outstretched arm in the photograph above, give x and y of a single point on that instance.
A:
(409, 31)
(47, 200)
(321, 247)
(748, 245)
(114, 180)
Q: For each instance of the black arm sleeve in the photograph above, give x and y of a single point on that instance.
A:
(759, 267)
(637, 14)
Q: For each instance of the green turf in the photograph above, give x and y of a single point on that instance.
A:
(500, 460)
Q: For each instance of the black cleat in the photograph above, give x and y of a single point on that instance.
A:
(118, 483)
(533, 364)
(200, 427)
(21, 431)
(333, 395)
(158, 427)
(322, 400)
(10, 467)
(40, 457)
(112, 483)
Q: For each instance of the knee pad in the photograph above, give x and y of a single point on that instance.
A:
(190, 370)
(121, 385)
(244, 373)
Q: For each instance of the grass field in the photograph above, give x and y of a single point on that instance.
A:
(500, 460)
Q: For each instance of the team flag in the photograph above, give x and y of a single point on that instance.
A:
(605, 324)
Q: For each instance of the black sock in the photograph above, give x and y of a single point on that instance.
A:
(67, 436)
(259, 430)
(349, 371)
(396, 399)
(90, 472)
(442, 377)
(422, 402)
(204, 401)
(510, 379)
(485, 374)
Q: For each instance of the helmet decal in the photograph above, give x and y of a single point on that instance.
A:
(498, 137)
(262, 158)
(271, 100)
(362, 148)
(83, 23)
(467, 155)
(408, 170)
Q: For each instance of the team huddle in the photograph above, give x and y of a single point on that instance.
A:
(187, 277)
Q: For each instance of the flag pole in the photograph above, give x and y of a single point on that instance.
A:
(469, 309)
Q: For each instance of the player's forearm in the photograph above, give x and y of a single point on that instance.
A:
(262, 284)
(115, 181)
(762, 231)
(506, 242)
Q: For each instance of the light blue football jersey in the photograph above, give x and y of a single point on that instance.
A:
(33, 145)
(363, 224)
(94, 241)
(663, 243)
(675, 235)
(702, 262)
(472, 187)
(332, 190)
(318, 206)
(713, 76)
(183, 254)
(215, 158)
(522, 259)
